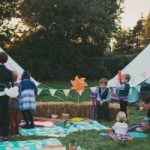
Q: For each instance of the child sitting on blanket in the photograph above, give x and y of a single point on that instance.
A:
(123, 91)
(118, 132)
(103, 96)
(27, 101)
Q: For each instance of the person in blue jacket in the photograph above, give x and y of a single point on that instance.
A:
(27, 102)
(123, 92)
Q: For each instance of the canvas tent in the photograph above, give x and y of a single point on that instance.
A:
(12, 65)
(139, 69)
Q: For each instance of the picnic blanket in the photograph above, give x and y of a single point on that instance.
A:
(133, 134)
(138, 135)
(40, 123)
(60, 131)
(30, 144)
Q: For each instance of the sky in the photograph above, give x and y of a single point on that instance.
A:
(133, 9)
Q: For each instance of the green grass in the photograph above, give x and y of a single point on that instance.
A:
(73, 96)
(91, 140)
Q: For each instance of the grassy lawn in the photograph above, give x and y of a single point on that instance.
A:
(45, 95)
(91, 140)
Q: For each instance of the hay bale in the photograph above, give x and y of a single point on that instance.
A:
(45, 109)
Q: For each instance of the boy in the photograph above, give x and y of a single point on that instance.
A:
(123, 91)
(103, 96)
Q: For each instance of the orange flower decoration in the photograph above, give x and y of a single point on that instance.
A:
(78, 84)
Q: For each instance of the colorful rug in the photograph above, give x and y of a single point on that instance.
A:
(30, 144)
(40, 123)
(60, 131)
(133, 134)
(138, 135)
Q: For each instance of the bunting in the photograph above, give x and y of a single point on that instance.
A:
(52, 91)
(39, 91)
(93, 89)
(139, 78)
(66, 92)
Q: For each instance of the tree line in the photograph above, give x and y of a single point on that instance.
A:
(58, 39)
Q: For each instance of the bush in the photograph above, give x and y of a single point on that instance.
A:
(91, 68)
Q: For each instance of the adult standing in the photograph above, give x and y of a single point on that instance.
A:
(6, 76)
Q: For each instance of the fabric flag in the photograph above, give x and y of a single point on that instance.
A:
(138, 88)
(93, 89)
(52, 91)
(130, 92)
(39, 91)
(80, 93)
(66, 91)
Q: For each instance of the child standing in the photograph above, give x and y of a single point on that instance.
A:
(103, 96)
(14, 109)
(123, 91)
(27, 101)
(118, 132)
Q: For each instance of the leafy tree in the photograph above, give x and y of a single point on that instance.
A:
(88, 24)
(8, 10)
(130, 41)
(146, 32)
(64, 33)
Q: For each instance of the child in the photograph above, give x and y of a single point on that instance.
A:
(120, 128)
(14, 109)
(123, 91)
(27, 101)
(103, 96)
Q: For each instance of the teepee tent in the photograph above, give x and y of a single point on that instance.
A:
(139, 69)
(12, 65)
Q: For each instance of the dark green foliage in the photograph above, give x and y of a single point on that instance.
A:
(90, 140)
(65, 36)
(130, 41)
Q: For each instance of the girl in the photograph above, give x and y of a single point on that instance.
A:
(118, 132)
(27, 101)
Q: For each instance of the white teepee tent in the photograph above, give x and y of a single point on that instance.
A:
(12, 65)
(138, 68)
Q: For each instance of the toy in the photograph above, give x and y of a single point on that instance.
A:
(120, 77)
(77, 119)
(65, 116)
(78, 84)
(134, 127)
(93, 99)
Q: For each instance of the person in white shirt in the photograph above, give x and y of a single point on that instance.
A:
(118, 132)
